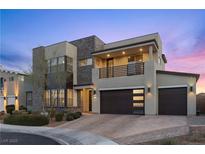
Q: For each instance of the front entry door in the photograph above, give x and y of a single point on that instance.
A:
(110, 67)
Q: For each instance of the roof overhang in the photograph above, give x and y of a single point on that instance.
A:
(128, 46)
(179, 74)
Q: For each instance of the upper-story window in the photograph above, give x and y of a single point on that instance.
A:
(49, 65)
(53, 61)
(11, 78)
(60, 64)
(61, 60)
(85, 62)
(69, 64)
(1, 83)
(21, 78)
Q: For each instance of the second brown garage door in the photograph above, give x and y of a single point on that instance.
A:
(173, 101)
(116, 102)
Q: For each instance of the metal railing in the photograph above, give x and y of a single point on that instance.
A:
(122, 70)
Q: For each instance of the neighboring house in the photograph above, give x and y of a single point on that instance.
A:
(15, 89)
(123, 77)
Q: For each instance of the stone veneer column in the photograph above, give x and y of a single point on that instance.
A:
(39, 70)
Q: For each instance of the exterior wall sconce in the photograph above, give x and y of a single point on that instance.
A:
(16, 97)
(191, 89)
(149, 90)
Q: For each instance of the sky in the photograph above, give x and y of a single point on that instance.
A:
(182, 33)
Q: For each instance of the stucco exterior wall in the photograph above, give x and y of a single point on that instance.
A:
(167, 80)
(128, 82)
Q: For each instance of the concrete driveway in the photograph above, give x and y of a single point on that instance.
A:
(130, 129)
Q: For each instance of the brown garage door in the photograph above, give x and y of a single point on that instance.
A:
(173, 101)
(116, 102)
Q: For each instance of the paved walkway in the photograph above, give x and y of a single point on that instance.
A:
(62, 136)
(130, 129)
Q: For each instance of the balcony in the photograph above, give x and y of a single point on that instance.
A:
(136, 68)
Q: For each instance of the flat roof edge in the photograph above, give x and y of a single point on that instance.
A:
(179, 73)
(122, 46)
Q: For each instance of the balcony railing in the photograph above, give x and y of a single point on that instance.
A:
(122, 70)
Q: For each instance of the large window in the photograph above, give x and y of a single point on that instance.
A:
(85, 62)
(54, 65)
(59, 64)
(61, 60)
(69, 97)
(54, 97)
(49, 65)
(1, 83)
(53, 61)
(69, 64)
(61, 98)
(47, 98)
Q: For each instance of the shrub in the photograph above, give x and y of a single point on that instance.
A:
(76, 115)
(26, 120)
(19, 112)
(22, 108)
(10, 108)
(69, 117)
(79, 113)
(59, 116)
(29, 112)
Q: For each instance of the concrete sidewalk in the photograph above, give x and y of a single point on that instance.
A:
(60, 135)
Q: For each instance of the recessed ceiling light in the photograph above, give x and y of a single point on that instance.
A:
(141, 49)
(123, 52)
(108, 55)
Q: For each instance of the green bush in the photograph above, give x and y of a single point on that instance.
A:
(22, 108)
(79, 113)
(69, 117)
(72, 116)
(76, 115)
(26, 120)
(10, 108)
(19, 112)
(59, 116)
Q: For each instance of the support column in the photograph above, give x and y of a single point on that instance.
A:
(150, 53)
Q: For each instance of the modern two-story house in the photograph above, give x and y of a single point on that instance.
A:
(123, 77)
